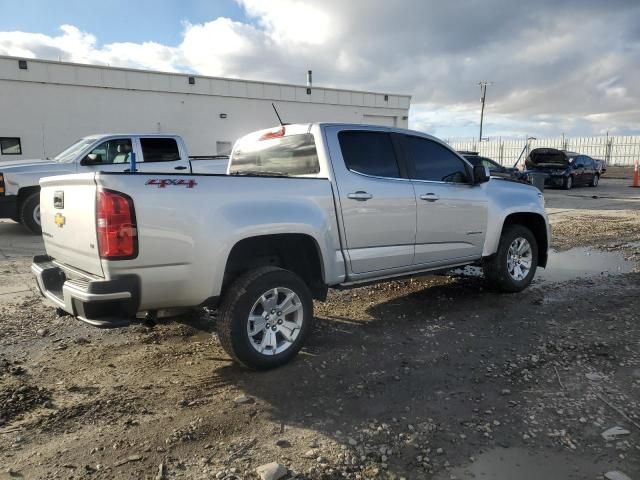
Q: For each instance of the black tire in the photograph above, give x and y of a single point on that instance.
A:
(236, 306)
(568, 183)
(496, 269)
(595, 180)
(28, 209)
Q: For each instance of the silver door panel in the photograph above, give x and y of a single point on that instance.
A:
(451, 221)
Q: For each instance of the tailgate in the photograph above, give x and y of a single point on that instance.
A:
(68, 217)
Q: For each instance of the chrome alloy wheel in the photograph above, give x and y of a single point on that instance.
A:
(275, 321)
(519, 259)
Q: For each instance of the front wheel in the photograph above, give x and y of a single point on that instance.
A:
(265, 317)
(568, 183)
(595, 180)
(30, 213)
(513, 266)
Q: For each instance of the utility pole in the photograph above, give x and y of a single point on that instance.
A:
(483, 89)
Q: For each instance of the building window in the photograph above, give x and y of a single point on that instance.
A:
(22, 64)
(10, 146)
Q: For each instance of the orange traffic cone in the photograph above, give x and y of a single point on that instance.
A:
(636, 183)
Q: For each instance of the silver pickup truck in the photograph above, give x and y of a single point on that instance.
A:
(20, 192)
(303, 208)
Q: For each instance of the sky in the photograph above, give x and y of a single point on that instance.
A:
(557, 67)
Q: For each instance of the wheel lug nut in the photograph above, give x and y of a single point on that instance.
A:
(273, 310)
(279, 314)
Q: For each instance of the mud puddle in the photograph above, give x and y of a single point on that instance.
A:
(521, 464)
(576, 263)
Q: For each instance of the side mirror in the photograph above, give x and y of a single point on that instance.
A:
(481, 174)
(91, 159)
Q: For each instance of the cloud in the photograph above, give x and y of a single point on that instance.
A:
(287, 21)
(556, 66)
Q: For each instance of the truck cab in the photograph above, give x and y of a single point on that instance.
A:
(161, 153)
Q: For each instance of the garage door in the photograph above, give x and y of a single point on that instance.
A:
(384, 120)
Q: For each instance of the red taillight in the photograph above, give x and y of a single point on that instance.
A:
(275, 133)
(116, 226)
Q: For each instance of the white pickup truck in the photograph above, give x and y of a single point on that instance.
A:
(20, 192)
(303, 208)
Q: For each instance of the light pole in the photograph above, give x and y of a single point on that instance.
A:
(483, 89)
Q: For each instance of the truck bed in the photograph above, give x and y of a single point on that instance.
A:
(186, 226)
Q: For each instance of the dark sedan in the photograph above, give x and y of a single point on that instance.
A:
(563, 169)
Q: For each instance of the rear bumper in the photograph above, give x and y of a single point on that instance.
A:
(8, 206)
(98, 302)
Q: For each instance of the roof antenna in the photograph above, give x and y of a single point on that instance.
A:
(278, 115)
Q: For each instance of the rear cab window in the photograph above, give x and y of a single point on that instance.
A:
(159, 149)
(275, 153)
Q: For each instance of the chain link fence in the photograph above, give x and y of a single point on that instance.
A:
(619, 151)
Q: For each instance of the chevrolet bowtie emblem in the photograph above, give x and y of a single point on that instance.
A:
(60, 220)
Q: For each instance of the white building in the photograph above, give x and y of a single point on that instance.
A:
(45, 106)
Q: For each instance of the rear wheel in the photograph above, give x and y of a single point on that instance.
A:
(30, 213)
(568, 183)
(265, 317)
(595, 180)
(513, 266)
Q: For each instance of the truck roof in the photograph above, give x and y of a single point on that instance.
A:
(306, 127)
(130, 134)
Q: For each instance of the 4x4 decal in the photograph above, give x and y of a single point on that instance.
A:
(165, 182)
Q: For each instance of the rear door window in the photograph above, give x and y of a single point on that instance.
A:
(428, 160)
(370, 153)
(159, 149)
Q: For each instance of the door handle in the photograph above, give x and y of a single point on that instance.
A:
(429, 197)
(360, 196)
(181, 167)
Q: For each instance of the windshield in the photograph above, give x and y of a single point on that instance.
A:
(286, 155)
(70, 153)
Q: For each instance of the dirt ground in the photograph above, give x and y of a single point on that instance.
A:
(427, 378)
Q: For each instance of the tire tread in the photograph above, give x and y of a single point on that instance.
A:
(494, 268)
(26, 214)
(233, 296)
